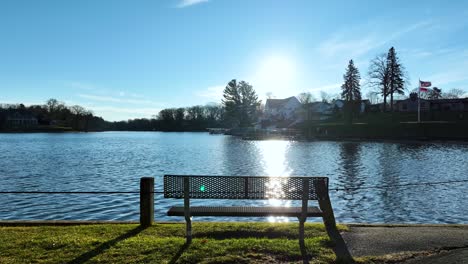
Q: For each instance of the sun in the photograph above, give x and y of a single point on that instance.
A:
(278, 67)
(275, 74)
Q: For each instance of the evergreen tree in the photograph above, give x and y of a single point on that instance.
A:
(351, 89)
(240, 103)
(396, 81)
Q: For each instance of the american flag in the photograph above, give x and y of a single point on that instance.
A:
(424, 84)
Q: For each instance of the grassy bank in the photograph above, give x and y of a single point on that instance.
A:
(163, 243)
(391, 131)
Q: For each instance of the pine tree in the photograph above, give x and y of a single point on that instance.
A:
(240, 103)
(351, 89)
(396, 81)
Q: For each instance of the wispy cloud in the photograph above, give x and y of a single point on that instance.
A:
(448, 78)
(187, 3)
(19, 101)
(327, 87)
(113, 99)
(112, 113)
(343, 43)
(212, 92)
(81, 86)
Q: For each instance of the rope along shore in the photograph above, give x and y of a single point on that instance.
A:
(331, 188)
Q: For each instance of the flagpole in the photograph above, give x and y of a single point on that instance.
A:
(419, 104)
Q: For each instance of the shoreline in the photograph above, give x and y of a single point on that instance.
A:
(106, 222)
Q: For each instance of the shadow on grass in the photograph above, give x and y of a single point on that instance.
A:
(179, 253)
(100, 249)
(339, 247)
(245, 234)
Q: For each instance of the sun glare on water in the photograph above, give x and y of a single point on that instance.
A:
(275, 164)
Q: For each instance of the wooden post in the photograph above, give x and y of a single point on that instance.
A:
(146, 201)
(188, 218)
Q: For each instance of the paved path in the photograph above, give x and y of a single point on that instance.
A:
(381, 240)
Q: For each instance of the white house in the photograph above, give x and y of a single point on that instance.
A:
(282, 109)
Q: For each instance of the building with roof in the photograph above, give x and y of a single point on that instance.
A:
(282, 109)
(282, 112)
(17, 119)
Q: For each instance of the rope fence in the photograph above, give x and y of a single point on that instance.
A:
(160, 192)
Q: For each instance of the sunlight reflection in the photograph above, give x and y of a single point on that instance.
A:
(275, 164)
(274, 160)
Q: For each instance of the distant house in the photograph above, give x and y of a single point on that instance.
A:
(21, 120)
(282, 109)
(449, 105)
(281, 112)
(442, 105)
(318, 111)
(339, 104)
(411, 105)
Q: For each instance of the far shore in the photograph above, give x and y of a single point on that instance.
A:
(308, 139)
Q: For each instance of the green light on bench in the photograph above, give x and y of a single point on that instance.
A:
(202, 188)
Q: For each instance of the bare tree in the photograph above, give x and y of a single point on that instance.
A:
(374, 97)
(305, 98)
(378, 77)
(435, 93)
(325, 97)
(454, 93)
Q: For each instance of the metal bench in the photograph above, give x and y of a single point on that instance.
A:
(247, 188)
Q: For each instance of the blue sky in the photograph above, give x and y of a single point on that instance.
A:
(129, 59)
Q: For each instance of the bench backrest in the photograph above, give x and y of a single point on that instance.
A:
(245, 187)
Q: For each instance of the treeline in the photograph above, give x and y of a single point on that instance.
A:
(53, 114)
(194, 118)
(56, 115)
(239, 107)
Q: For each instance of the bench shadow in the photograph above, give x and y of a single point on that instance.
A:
(337, 242)
(179, 253)
(243, 234)
(106, 245)
(339, 247)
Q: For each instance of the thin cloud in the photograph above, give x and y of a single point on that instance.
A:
(327, 87)
(341, 44)
(213, 92)
(447, 78)
(187, 3)
(112, 113)
(116, 99)
(81, 86)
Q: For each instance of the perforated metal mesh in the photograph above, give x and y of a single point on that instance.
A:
(242, 187)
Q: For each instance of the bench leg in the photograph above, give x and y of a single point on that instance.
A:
(301, 231)
(301, 240)
(188, 229)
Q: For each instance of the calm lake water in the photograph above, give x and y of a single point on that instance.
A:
(115, 161)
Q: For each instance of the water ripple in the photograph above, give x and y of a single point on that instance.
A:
(115, 161)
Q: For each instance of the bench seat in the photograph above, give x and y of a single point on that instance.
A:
(245, 211)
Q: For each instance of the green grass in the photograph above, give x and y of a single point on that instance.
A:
(164, 243)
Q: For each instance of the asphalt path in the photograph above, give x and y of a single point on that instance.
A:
(445, 243)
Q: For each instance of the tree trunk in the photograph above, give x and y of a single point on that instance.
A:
(385, 103)
(391, 102)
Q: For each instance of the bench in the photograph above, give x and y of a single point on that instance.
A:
(250, 188)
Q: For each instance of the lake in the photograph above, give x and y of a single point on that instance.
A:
(115, 161)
